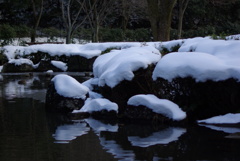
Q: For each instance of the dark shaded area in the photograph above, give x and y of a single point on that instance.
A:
(80, 64)
(201, 99)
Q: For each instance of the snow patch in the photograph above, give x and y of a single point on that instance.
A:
(69, 87)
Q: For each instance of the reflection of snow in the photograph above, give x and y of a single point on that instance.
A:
(22, 89)
(229, 130)
(112, 147)
(66, 133)
(223, 119)
(161, 137)
(99, 126)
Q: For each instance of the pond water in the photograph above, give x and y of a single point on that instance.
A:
(29, 133)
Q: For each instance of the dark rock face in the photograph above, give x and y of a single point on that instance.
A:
(144, 113)
(45, 65)
(141, 84)
(201, 99)
(12, 68)
(58, 103)
(80, 64)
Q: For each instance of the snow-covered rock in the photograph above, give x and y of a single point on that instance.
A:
(65, 94)
(159, 106)
(18, 65)
(112, 68)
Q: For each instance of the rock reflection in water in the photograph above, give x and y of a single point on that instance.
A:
(165, 136)
(66, 133)
(120, 140)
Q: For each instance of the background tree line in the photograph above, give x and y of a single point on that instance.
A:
(119, 20)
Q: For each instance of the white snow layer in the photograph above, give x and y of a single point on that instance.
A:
(160, 106)
(20, 61)
(203, 59)
(119, 65)
(69, 87)
(88, 51)
(224, 119)
(59, 64)
(98, 104)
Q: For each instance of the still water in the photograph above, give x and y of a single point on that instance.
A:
(29, 133)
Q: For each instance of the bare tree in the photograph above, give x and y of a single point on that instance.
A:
(37, 7)
(160, 16)
(71, 16)
(97, 11)
(182, 5)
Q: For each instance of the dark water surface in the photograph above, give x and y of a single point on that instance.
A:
(29, 133)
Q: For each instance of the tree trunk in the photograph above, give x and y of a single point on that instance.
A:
(182, 7)
(33, 36)
(69, 36)
(160, 16)
(37, 18)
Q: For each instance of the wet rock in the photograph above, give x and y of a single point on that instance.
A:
(80, 64)
(58, 103)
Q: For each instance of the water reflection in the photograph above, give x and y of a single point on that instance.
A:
(165, 136)
(28, 85)
(66, 133)
(28, 132)
(230, 130)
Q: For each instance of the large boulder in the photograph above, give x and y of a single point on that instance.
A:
(201, 99)
(140, 84)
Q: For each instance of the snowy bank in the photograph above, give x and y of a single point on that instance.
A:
(88, 51)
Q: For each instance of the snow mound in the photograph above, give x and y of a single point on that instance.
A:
(119, 65)
(224, 119)
(201, 66)
(59, 64)
(160, 106)
(69, 87)
(20, 61)
(98, 104)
